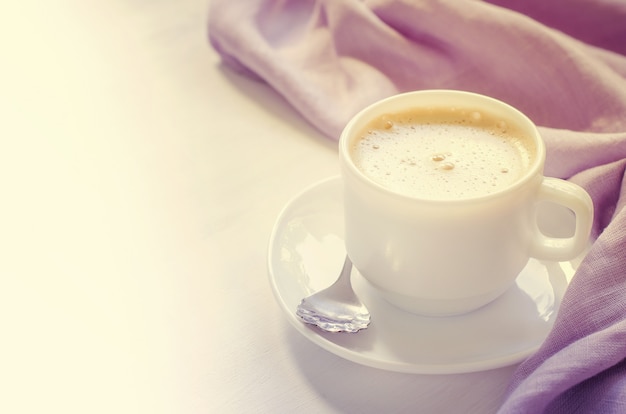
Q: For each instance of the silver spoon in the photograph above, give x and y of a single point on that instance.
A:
(336, 308)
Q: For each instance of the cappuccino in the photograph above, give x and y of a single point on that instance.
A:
(440, 199)
(442, 153)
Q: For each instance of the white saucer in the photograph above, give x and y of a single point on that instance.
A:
(306, 253)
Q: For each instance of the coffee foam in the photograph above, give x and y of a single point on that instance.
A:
(443, 153)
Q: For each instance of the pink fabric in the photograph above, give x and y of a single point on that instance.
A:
(563, 63)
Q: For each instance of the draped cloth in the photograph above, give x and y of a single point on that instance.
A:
(561, 62)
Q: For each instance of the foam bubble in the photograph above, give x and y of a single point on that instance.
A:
(447, 166)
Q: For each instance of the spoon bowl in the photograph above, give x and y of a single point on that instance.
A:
(336, 308)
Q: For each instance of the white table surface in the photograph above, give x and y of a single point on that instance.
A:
(140, 180)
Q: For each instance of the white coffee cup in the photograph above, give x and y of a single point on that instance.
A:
(440, 256)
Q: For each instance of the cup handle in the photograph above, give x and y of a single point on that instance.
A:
(572, 196)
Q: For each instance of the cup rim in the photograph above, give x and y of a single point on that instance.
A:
(536, 168)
